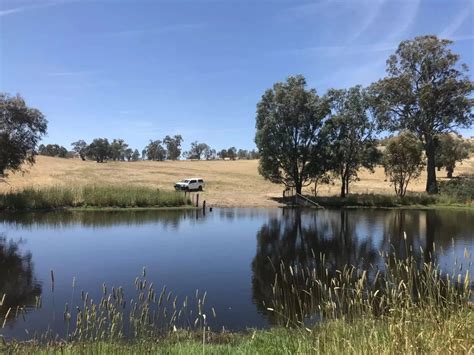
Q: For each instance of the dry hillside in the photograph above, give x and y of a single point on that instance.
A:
(229, 183)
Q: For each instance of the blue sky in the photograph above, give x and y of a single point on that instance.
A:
(142, 69)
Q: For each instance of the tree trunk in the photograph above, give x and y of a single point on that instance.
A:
(431, 184)
(450, 172)
(343, 187)
(298, 186)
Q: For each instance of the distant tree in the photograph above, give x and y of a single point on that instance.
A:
(253, 154)
(450, 149)
(403, 160)
(21, 128)
(53, 150)
(99, 150)
(197, 150)
(128, 154)
(117, 149)
(144, 154)
(425, 92)
(289, 137)
(222, 154)
(155, 150)
(210, 154)
(351, 135)
(135, 155)
(80, 147)
(243, 154)
(232, 153)
(173, 146)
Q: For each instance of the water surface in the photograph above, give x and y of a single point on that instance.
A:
(227, 253)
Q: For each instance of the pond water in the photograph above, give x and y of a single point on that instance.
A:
(225, 252)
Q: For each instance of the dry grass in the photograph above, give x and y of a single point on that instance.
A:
(229, 183)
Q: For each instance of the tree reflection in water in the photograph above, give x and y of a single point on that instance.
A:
(323, 246)
(319, 245)
(17, 279)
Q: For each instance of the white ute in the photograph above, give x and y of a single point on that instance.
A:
(193, 184)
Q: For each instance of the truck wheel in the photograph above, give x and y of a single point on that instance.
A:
(200, 188)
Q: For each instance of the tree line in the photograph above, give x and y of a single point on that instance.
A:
(304, 138)
(101, 150)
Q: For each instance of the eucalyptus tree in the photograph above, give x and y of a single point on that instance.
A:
(351, 134)
(155, 150)
(99, 150)
(21, 128)
(135, 155)
(403, 160)
(80, 147)
(173, 146)
(198, 150)
(118, 148)
(289, 133)
(426, 91)
(451, 149)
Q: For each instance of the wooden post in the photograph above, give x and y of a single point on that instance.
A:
(197, 200)
(204, 205)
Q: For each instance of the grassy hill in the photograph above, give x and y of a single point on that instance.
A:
(229, 183)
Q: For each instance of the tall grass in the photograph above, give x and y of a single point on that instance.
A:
(90, 196)
(404, 306)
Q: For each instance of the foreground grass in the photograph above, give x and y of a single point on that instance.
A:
(413, 334)
(90, 197)
(408, 308)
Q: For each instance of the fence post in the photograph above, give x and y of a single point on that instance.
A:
(197, 200)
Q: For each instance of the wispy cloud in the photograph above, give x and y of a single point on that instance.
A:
(455, 25)
(338, 50)
(69, 73)
(33, 5)
(156, 31)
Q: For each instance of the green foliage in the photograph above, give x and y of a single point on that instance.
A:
(80, 147)
(199, 151)
(155, 151)
(289, 139)
(90, 196)
(118, 149)
(99, 150)
(425, 92)
(21, 128)
(460, 189)
(53, 150)
(403, 161)
(352, 144)
(173, 146)
(450, 149)
(135, 155)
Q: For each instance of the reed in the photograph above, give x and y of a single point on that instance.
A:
(405, 305)
(90, 196)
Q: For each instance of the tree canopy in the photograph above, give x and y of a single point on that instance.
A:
(351, 134)
(289, 120)
(450, 149)
(427, 92)
(403, 160)
(21, 128)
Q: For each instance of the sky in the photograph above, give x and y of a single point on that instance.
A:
(143, 69)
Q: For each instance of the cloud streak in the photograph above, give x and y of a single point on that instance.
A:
(455, 25)
(37, 5)
(156, 31)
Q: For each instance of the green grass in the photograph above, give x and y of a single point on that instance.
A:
(451, 335)
(408, 308)
(457, 192)
(90, 197)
